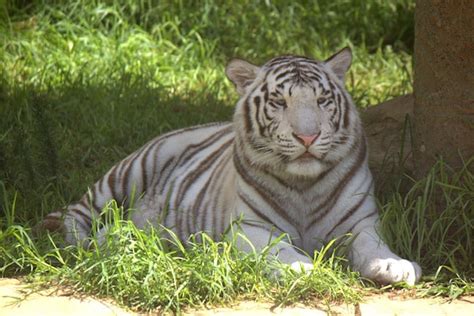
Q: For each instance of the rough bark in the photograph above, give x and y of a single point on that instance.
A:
(444, 82)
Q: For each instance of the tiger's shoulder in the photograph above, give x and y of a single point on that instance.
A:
(177, 139)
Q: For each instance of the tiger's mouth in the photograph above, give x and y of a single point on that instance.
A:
(306, 155)
(310, 157)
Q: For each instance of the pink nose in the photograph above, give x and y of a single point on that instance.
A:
(306, 140)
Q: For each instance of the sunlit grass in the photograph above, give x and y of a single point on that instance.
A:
(180, 46)
(155, 270)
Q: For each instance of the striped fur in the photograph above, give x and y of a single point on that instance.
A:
(294, 161)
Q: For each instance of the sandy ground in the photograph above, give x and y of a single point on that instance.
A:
(17, 299)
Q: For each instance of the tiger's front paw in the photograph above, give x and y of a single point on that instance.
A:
(388, 271)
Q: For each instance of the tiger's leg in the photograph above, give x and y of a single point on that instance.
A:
(374, 260)
(125, 181)
(74, 223)
(260, 237)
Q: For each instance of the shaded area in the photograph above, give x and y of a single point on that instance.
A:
(59, 141)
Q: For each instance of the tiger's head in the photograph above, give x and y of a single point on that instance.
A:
(295, 115)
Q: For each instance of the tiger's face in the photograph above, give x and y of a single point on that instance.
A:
(294, 114)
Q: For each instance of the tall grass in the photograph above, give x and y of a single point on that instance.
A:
(433, 223)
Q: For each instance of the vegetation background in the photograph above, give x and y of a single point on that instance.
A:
(83, 83)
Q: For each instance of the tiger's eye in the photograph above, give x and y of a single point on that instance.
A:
(321, 100)
(281, 102)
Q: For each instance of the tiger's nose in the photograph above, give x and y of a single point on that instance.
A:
(306, 140)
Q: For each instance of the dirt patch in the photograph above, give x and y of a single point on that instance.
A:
(17, 299)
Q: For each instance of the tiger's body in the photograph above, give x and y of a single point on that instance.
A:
(294, 161)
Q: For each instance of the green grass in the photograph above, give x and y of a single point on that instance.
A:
(83, 83)
(433, 224)
(154, 270)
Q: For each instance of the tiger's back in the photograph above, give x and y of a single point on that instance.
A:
(172, 179)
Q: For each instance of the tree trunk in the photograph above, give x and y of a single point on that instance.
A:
(444, 82)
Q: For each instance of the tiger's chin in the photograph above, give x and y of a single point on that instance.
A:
(306, 165)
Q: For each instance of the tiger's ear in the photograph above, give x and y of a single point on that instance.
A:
(340, 62)
(241, 73)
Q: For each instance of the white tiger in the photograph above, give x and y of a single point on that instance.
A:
(294, 161)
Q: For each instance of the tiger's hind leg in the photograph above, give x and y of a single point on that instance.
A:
(53, 223)
(73, 224)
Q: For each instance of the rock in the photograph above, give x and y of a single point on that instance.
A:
(388, 127)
